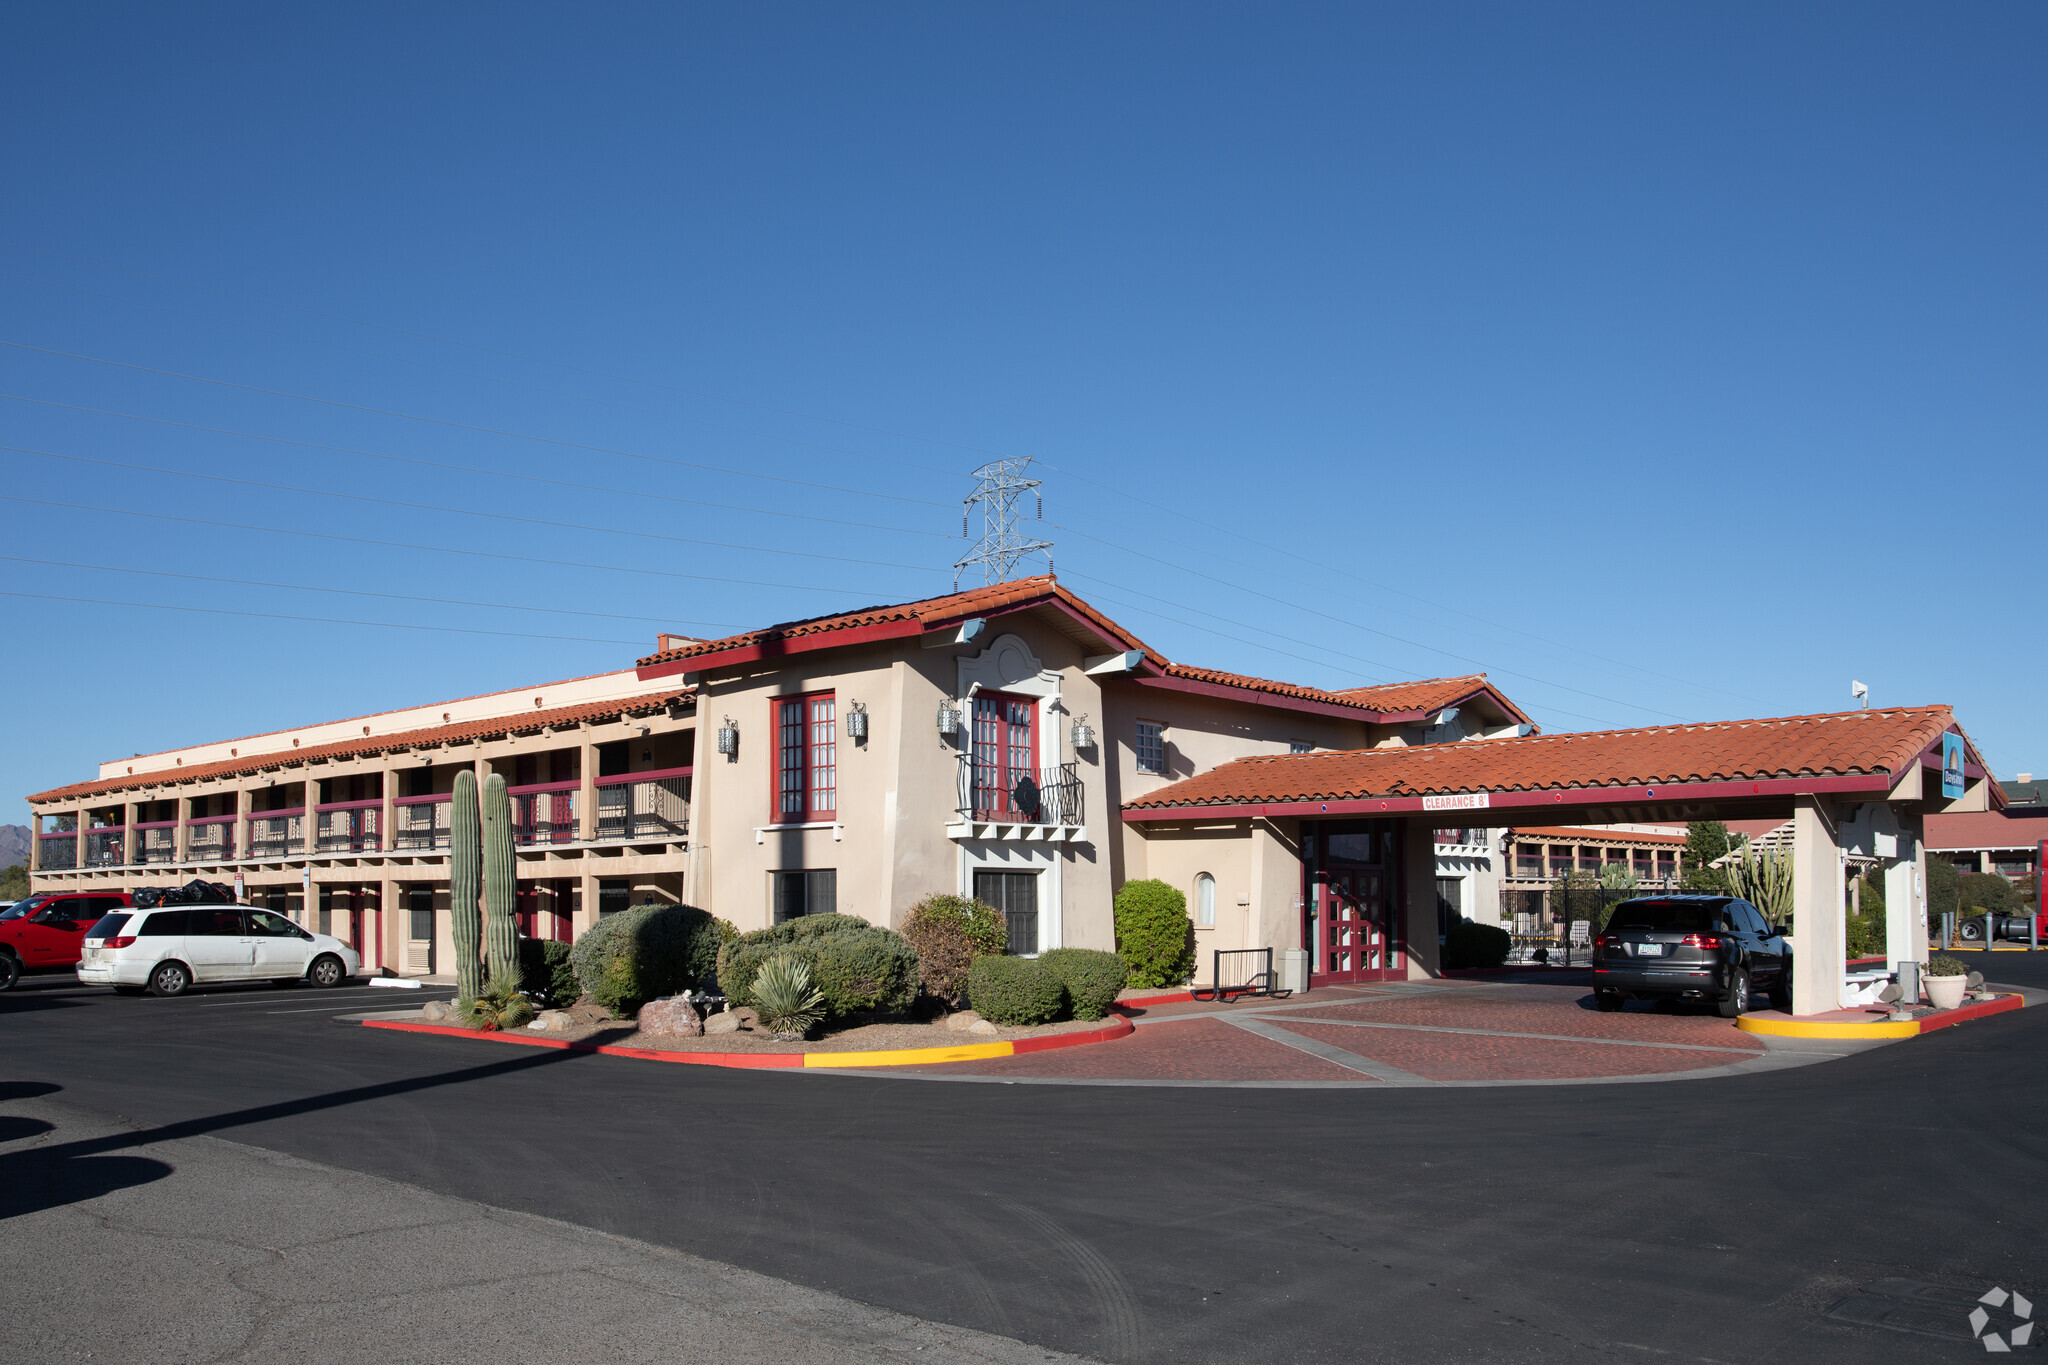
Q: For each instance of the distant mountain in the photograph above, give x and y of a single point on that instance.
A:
(13, 845)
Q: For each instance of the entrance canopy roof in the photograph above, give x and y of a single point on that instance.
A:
(1670, 772)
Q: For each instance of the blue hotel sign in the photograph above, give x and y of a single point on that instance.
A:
(1951, 766)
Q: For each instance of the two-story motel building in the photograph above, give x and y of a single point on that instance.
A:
(983, 743)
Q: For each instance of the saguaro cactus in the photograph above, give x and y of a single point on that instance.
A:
(501, 935)
(465, 865)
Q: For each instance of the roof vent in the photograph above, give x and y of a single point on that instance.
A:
(295, 742)
(366, 729)
(444, 715)
(536, 701)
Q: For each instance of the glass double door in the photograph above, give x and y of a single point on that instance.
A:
(1354, 932)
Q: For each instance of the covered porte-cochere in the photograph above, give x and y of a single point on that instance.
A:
(1336, 848)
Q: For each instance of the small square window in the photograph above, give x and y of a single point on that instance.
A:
(1300, 746)
(813, 891)
(1151, 747)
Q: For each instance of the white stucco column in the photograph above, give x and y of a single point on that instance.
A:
(1905, 906)
(1418, 877)
(1817, 940)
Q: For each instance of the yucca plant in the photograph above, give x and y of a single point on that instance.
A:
(784, 998)
(499, 1006)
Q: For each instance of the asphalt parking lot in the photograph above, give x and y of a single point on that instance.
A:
(1718, 1219)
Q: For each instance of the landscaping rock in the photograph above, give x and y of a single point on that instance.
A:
(727, 1022)
(748, 1019)
(555, 1021)
(982, 1026)
(675, 1017)
(434, 1011)
(962, 1020)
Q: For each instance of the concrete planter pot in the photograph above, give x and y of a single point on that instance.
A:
(1945, 991)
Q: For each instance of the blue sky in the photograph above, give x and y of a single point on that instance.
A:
(1668, 362)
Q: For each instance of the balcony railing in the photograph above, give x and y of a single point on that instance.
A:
(649, 805)
(277, 833)
(59, 851)
(349, 826)
(544, 813)
(156, 842)
(106, 847)
(421, 822)
(1042, 796)
(209, 839)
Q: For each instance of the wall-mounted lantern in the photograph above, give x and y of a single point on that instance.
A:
(857, 722)
(729, 739)
(1083, 733)
(949, 717)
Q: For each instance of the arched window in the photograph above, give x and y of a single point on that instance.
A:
(1205, 901)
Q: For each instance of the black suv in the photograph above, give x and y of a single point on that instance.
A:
(1691, 947)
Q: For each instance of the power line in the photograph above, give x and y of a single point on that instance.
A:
(475, 469)
(315, 620)
(1399, 639)
(908, 436)
(467, 511)
(460, 426)
(363, 592)
(436, 549)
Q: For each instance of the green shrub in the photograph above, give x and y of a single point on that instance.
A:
(545, 973)
(1982, 891)
(499, 1006)
(1941, 964)
(784, 998)
(646, 953)
(1091, 979)
(861, 969)
(949, 932)
(1476, 945)
(1154, 934)
(1014, 990)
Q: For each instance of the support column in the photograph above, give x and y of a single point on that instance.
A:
(387, 813)
(1817, 939)
(131, 851)
(83, 823)
(586, 909)
(586, 793)
(310, 804)
(1418, 892)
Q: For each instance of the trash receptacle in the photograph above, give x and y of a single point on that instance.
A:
(1294, 969)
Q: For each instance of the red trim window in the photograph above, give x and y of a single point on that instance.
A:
(806, 759)
(1005, 752)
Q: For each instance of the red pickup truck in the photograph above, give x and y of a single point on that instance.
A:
(43, 932)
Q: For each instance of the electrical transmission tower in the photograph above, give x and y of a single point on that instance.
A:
(998, 486)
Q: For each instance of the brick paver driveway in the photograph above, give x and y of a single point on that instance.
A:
(1403, 1033)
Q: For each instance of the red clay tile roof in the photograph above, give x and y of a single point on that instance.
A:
(491, 728)
(1586, 835)
(1282, 689)
(932, 611)
(1851, 742)
(1985, 829)
(1429, 694)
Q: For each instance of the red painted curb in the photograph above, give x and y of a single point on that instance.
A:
(751, 1060)
(1962, 1014)
(1115, 1028)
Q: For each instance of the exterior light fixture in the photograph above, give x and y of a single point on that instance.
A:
(1084, 734)
(949, 717)
(857, 721)
(729, 738)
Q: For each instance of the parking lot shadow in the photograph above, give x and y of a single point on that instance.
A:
(48, 1178)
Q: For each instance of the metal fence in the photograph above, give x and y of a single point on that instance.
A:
(422, 822)
(649, 806)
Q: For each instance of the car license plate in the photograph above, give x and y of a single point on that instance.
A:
(1649, 950)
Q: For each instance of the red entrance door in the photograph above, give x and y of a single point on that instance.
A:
(1354, 937)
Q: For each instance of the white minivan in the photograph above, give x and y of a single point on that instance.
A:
(170, 949)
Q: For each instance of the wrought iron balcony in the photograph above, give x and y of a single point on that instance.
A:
(1032, 796)
(210, 839)
(544, 813)
(422, 822)
(277, 834)
(106, 847)
(648, 805)
(349, 826)
(58, 851)
(156, 842)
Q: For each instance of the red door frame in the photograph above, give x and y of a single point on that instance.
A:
(1003, 743)
(1320, 925)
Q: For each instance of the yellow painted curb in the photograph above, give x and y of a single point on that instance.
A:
(912, 1056)
(1793, 1028)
